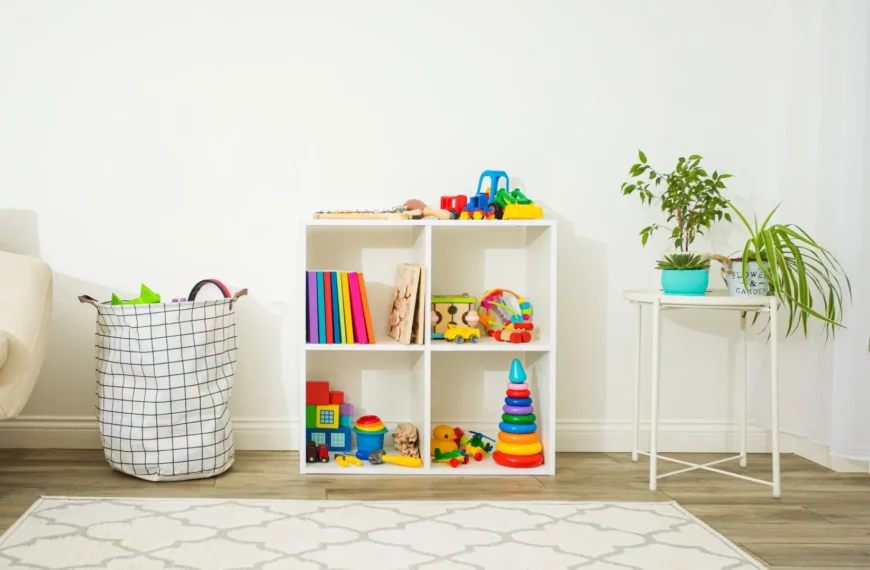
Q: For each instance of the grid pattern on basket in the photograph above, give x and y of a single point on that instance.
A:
(164, 378)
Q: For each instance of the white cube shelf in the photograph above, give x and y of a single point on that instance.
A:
(436, 382)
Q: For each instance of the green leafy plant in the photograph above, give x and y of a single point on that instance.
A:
(801, 272)
(691, 198)
(683, 262)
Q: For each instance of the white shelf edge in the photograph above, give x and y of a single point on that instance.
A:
(469, 470)
(495, 346)
(543, 222)
(382, 347)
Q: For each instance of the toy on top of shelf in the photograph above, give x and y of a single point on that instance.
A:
(461, 334)
(406, 440)
(379, 456)
(443, 440)
(515, 205)
(418, 209)
(518, 444)
(492, 203)
(370, 432)
(476, 447)
(146, 297)
(506, 316)
(394, 213)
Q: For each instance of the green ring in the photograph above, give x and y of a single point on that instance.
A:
(514, 419)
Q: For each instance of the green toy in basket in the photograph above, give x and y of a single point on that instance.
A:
(146, 297)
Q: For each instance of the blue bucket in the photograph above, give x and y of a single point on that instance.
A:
(690, 282)
(368, 442)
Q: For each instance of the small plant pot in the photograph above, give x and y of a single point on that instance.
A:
(756, 285)
(690, 282)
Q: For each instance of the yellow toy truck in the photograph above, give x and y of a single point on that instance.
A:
(461, 334)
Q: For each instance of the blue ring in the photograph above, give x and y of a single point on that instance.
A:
(518, 401)
(517, 428)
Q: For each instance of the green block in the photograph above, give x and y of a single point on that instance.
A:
(311, 417)
(345, 421)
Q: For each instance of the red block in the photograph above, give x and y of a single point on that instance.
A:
(317, 393)
(336, 398)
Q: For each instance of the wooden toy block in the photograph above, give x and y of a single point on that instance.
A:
(345, 421)
(317, 393)
(346, 409)
(310, 417)
(336, 398)
(450, 309)
(327, 417)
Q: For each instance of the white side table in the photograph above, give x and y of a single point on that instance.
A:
(719, 301)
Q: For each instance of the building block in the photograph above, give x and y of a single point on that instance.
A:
(310, 417)
(317, 393)
(345, 421)
(335, 439)
(327, 417)
(336, 398)
(346, 410)
(450, 309)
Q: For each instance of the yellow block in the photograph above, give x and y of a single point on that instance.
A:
(519, 448)
(321, 420)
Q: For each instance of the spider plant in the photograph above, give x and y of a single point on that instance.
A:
(683, 262)
(800, 271)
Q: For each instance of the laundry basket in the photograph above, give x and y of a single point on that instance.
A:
(164, 378)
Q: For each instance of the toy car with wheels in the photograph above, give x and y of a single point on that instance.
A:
(461, 334)
(323, 453)
(454, 458)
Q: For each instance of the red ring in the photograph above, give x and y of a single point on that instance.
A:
(519, 394)
(518, 460)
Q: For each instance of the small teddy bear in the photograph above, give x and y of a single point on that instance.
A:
(405, 439)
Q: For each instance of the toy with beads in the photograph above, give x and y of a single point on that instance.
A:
(506, 316)
(518, 444)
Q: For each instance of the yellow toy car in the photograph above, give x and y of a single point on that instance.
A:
(461, 334)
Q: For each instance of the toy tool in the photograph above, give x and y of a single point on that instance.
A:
(379, 456)
(345, 460)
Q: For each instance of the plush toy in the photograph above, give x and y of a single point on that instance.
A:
(406, 440)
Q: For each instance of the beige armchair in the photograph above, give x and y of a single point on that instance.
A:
(25, 314)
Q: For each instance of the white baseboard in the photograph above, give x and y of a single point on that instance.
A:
(277, 434)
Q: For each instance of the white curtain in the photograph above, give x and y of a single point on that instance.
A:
(847, 219)
(824, 112)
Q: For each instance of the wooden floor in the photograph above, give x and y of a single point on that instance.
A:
(822, 520)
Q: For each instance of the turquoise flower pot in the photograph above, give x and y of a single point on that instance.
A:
(692, 282)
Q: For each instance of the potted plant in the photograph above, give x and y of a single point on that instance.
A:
(785, 261)
(684, 274)
(691, 199)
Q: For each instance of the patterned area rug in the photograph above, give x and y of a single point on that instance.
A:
(176, 534)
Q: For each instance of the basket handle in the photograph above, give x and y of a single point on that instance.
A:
(240, 293)
(88, 299)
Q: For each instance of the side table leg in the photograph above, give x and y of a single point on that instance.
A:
(741, 387)
(635, 433)
(654, 399)
(774, 397)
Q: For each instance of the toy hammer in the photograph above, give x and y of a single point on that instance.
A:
(379, 456)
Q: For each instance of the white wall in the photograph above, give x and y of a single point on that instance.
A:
(185, 140)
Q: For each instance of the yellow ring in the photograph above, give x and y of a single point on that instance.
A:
(518, 449)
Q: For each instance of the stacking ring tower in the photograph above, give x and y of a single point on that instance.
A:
(518, 444)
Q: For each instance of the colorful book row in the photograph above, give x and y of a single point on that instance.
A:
(338, 308)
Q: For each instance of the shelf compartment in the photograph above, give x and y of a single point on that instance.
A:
(472, 259)
(390, 385)
(468, 391)
(375, 251)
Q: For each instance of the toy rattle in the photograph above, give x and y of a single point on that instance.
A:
(506, 316)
